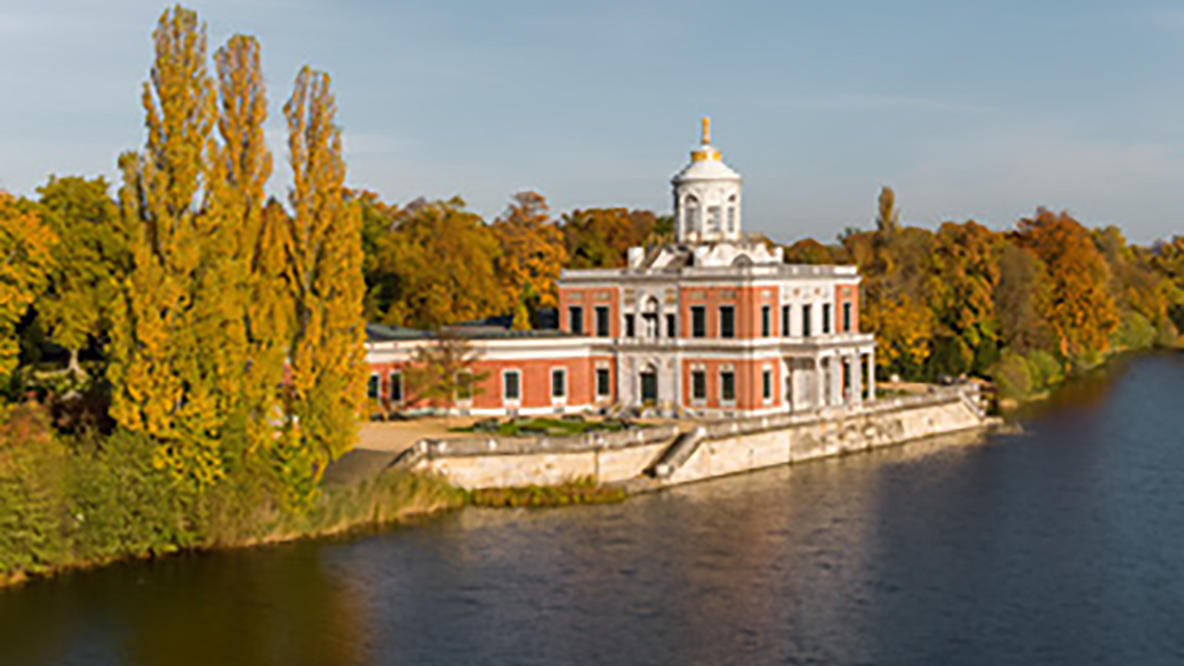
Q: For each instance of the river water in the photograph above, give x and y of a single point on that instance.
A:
(1063, 545)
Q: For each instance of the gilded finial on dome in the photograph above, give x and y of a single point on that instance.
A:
(706, 140)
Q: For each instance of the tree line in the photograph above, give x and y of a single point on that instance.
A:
(1022, 307)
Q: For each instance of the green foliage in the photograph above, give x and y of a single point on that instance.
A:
(87, 267)
(121, 504)
(1134, 332)
(1046, 371)
(32, 492)
(1012, 376)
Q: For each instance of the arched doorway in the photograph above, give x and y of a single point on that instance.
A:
(649, 385)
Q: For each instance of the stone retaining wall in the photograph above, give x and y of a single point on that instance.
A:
(716, 449)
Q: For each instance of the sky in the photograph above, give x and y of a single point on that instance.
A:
(968, 110)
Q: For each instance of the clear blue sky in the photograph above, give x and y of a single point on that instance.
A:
(980, 110)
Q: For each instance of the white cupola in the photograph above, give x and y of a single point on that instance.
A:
(706, 197)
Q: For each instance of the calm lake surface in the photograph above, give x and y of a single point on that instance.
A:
(1061, 546)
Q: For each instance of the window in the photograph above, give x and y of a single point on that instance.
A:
(698, 385)
(767, 384)
(731, 218)
(396, 387)
(671, 326)
(575, 319)
(698, 321)
(727, 321)
(649, 321)
(766, 321)
(602, 321)
(826, 317)
(805, 321)
(785, 321)
(713, 219)
(464, 385)
(727, 386)
(630, 331)
(372, 387)
(691, 208)
(511, 386)
(603, 379)
(558, 383)
(846, 317)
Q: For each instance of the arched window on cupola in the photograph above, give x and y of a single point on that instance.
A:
(690, 208)
(714, 223)
(732, 214)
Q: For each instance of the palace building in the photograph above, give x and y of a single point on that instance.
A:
(715, 324)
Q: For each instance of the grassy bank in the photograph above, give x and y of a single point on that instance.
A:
(80, 503)
(578, 491)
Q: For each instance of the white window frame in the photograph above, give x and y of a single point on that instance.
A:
(696, 400)
(727, 402)
(559, 399)
(507, 400)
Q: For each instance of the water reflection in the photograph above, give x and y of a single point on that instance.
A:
(1057, 546)
(273, 606)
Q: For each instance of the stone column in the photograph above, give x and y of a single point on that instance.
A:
(818, 384)
(837, 382)
(871, 375)
(856, 379)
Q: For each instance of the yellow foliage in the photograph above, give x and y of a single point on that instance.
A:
(324, 271)
(26, 258)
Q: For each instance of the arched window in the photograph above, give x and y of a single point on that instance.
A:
(650, 317)
(690, 207)
(714, 223)
(732, 214)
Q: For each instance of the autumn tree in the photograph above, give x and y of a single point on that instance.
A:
(532, 254)
(601, 237)
(87, 268)
(324, 272)
(159, 367)
(1021, 299)
(810, 251)
(255, 293)
(1081, 310)
(960, 294)
(437, 266)
(887, 215)
(1166, 258)
(27, 247)
(897, 268)
(1143, 297)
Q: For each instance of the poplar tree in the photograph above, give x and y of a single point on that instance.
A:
(256, 341)
(160, 365)
(324, 272)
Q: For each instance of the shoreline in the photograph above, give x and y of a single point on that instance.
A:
(359, 506)
(430, 497)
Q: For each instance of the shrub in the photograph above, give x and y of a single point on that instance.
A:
(1044, 369)
(121, 504)
(32, 492)
(1012, 375)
